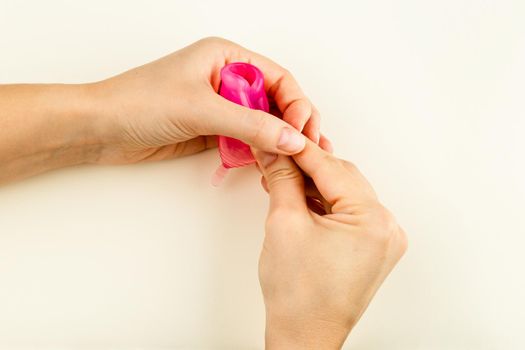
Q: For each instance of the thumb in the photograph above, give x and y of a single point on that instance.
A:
(284, 180)
(256, 128)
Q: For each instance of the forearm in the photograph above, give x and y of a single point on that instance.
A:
(44, 127)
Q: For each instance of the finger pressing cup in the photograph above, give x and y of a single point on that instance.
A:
(243, 84)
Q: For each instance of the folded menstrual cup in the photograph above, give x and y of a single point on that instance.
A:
(243, 84)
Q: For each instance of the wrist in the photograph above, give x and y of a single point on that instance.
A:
(293, 333)
(72, 135)
(46, 126)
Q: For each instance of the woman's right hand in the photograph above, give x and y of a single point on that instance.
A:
(329, 245)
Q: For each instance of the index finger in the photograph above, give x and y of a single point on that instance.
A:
(337, 180)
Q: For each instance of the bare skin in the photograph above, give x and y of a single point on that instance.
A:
(329, 243)
(164, 109)
(328, 247)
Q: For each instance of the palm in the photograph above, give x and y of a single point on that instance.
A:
(127, 154)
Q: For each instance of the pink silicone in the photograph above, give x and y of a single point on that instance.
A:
(243, 84)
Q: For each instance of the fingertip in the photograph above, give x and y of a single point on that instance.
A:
(298, 113)
(326, 144)
(291, 141)
(312, 127)
(312, 132)
(311, 157)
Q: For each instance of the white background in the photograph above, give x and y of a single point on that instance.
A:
(427, 97)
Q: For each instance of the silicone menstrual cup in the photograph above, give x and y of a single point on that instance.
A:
(243, 84)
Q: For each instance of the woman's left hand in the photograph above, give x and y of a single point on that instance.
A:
(170, 107)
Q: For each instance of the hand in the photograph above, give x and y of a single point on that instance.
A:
(170, 107)
(164, 109)
(329, 245)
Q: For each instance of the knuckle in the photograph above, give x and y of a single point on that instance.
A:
(256, 125)
(349, 166)
(327, 158)
(315, 117)
(315, 111)
(305, 108)
(402, 241)
(386, 220)
(288, 76)
(299, 106)
(215, 43)
(212, 40)
(326, 161)
(381, 225)
(298, 112)
(286, 72)
(332, 161)
(282, 174)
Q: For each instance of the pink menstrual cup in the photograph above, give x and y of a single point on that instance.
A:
(243, 84)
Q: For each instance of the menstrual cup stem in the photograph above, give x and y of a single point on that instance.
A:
(219, 175)
(243, 84)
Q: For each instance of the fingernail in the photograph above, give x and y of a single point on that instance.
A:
(290, 141)
(265, 158)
